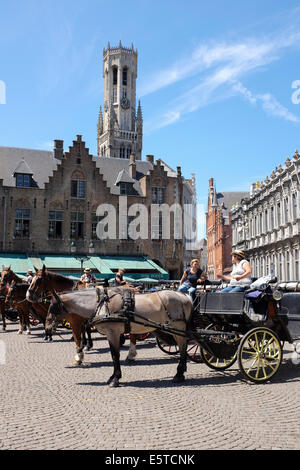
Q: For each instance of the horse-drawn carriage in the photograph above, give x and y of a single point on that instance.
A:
(249, 327)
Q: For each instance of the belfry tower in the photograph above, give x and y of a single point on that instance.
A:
(120, 124)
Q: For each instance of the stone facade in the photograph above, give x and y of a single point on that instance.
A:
(267, 223)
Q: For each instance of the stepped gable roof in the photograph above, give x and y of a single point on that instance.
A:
(112, 169)
(39, 163)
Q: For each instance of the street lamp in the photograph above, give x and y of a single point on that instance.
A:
(82, 259)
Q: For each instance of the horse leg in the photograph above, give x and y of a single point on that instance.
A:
(89, 343)
(77, 326)
(132, 349)
(114, 344)
(21, 323)
(181, 368)
(27, 321)
(2, 306)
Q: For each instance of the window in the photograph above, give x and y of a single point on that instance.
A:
(95, 221)
(266, 220)
(260, 223)
(23, 180)
(286, 210)
(124, 76)
(278, 214)
(157, 195)
(22, 223)
(126, 188)
(55, 224)
(78, 189)
(115, 76)
(288, 266)
(297, 271)
(77, 226)
(294, 205)
(114, 97)
(272, 218)
(122, 152)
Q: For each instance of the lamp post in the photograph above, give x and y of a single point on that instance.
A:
(82, 259)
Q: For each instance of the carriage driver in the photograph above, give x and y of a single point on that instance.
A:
(119, 281)
(88, 276)
(191, 277)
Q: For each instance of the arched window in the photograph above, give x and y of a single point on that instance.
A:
(115, 76)
(124, 76)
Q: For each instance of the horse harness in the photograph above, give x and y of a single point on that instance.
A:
(125, 314)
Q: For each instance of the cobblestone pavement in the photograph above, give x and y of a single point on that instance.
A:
(47, 403)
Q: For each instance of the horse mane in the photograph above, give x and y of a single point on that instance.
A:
(59, 277)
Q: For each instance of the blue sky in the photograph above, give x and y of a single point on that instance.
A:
(214, 78)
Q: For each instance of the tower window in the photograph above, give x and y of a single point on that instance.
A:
(115, 76)
(124, 77)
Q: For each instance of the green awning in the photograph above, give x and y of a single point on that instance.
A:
(103, 267)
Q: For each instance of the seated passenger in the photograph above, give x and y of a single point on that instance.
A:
(118, 281)
(191, 277)
(240, 276)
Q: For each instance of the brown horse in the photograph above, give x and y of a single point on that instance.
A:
(7, 276)
(16, 296)
(45, 280)
(150, 310)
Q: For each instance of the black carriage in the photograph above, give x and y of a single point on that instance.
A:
(250, 327)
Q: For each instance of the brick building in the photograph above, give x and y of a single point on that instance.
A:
(219, 230)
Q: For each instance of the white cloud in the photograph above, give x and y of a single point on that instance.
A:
(220, 68)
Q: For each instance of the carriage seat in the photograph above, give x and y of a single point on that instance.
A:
(290, 308)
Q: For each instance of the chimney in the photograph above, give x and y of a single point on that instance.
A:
(59, 149)
(179, 171)
(211, 183)
(150, 158)
(132, 166)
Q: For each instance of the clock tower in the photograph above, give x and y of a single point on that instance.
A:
(120, 124)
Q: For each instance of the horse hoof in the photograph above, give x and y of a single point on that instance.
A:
(130, 360)
(178, 379)
(114, 384)
(20, 332)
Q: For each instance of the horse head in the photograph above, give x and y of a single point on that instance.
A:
(10, 292)
(6, 276)
(37, 285)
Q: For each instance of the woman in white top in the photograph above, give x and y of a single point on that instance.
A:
(240, 276)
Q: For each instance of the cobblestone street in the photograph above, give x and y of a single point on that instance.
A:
(47, 403)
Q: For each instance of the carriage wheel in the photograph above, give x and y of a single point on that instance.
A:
(214, 362)
(194, 351)
(260, 354)
(170, 349)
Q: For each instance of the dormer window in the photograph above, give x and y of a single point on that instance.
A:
(23, 180)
